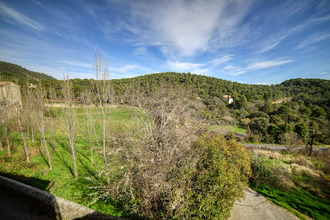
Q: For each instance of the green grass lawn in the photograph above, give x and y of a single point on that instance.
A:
(294, 181)
(231, 128)
(60, 180)
(303, 201)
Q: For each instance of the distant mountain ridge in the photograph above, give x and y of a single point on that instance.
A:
(15, 73)
(206, 87)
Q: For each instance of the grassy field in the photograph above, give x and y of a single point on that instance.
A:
(227, 128)
(296, 182)
(60, 180)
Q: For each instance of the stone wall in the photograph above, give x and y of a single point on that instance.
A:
(32, 203)
(10, 99)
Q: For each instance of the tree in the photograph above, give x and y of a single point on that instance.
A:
(241, 102)
(284, 109)
(70, 120)
(302, 130)
(52, 97)
(87, 101)
(318, 112)
(152, 149)
(259, 125)
(37, 97)
(102, 96)
(268, 107)
(22, 134)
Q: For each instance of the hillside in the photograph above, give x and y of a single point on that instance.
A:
(16, 73)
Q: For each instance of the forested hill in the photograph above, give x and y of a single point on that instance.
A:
(204, 86)
(18, 74)
(315, 91)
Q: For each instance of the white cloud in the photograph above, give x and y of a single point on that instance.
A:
(314, 38)
(187, 67)
(217, 61)
(126, 68)
(323, 73)
(271, 43)
(234, 70)
(185, 28)
(268, 64)
(17, 17)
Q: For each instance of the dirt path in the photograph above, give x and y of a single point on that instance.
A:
(255, 207)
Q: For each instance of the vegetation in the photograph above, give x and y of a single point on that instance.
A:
(149, 146)
(296, 182)
(20, 75)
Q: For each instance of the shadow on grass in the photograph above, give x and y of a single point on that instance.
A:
(61, 157)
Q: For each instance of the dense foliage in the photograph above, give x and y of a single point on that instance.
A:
(20, 75)
(296, 106)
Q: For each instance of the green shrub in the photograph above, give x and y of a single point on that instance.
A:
(219, 177)
(262, 172)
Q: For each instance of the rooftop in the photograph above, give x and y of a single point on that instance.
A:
(4, 83)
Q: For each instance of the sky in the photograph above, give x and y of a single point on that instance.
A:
(247, 41)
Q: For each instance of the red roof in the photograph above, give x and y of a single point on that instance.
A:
(4, 83)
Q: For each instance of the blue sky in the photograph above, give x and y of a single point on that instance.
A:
(248, 41)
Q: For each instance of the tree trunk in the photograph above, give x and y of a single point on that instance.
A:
(23, 138)
(8, 144)
(32, 134)
(104, 149)
(48, 155)
(74, 161)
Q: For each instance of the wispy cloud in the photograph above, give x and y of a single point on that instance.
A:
(217, 61)
(314, 38)
(324, 73)
(271, 43)
(75, 64)
(234, 70)
(14, 16)
(268, 64)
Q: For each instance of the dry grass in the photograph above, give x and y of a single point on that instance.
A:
(296, 170)
(306, 171)
(298, 159)
(267, 154)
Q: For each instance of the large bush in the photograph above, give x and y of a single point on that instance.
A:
(218, 179)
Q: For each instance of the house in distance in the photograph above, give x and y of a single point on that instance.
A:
(228, 98)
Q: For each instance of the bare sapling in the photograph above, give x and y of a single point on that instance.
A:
(52, 97)
(102, 98)
(22, 133)
(70, 120)
(87, 101)
(37, 98)
(29, 101)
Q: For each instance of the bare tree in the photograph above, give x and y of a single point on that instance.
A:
(87, 101)
(70, 120)
(102, 96)
(37, 99)
(22, 134)
(28, 102)
(152, 150)
(52, 97)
